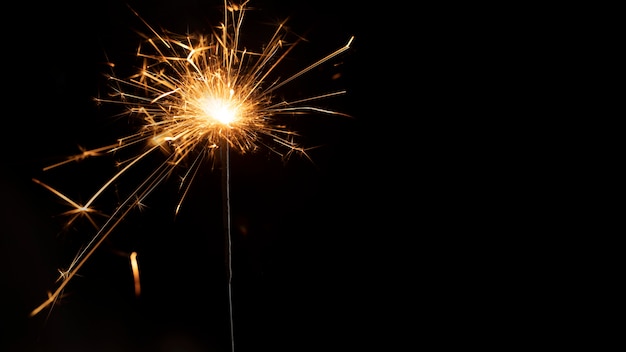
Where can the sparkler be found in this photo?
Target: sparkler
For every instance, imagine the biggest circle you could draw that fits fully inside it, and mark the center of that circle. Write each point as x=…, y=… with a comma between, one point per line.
x=194, y=95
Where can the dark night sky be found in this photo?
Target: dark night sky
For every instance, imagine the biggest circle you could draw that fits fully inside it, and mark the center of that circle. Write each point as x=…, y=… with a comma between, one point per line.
x=313, y=242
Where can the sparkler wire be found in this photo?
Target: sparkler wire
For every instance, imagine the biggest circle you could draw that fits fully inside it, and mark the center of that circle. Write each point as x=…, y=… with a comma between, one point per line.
x=225, y=160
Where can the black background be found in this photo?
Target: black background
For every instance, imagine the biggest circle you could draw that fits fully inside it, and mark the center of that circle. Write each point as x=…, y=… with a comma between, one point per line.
x=317, y=245
x=421, y=220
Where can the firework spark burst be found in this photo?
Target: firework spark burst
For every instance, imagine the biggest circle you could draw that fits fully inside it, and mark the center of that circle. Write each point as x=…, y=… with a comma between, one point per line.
x=192, y=95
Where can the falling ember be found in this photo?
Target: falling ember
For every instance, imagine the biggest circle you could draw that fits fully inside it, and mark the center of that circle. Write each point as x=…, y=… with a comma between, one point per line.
x=194, y=93
x=135, y=267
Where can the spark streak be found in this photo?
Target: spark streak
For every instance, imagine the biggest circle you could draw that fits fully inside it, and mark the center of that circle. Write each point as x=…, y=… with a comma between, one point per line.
x=135, y=267
x=194, y=94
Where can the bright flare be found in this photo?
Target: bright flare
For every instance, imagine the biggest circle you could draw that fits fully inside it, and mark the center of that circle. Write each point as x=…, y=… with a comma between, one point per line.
x=221, y=110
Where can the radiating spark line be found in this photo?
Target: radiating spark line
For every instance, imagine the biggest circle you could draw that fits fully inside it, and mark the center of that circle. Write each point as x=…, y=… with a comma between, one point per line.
x=84, y=155
x=179, y=96
x=79, y=210
x=104, y=231
x=313, y=65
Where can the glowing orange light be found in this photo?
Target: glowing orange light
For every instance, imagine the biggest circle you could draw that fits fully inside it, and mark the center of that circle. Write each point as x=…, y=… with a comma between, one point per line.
x=221, y=110
x=135, y=267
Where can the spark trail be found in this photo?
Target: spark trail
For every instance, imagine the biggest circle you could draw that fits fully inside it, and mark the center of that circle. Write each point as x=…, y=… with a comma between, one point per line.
x=194, y=94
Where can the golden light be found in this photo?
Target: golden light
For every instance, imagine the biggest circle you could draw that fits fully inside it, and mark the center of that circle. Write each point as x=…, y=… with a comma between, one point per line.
x=135, y=268
x=222, y=110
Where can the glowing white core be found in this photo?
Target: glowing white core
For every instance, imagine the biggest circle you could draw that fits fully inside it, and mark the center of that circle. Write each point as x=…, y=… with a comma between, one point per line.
x=219, y=109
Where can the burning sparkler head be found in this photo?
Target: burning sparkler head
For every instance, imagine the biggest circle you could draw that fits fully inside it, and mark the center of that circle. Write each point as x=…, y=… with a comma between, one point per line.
x=198, y=90
x=195, y=93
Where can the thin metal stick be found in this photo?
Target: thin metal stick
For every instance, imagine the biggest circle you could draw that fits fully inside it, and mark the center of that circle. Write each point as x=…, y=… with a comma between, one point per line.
x=225, y=156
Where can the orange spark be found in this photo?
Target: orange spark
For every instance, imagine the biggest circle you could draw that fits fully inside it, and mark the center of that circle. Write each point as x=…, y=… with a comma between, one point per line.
x=135, y=267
